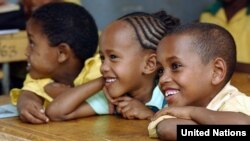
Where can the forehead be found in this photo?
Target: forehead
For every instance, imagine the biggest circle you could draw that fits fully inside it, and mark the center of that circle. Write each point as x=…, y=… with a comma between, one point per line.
x=181, y=42
x=34, y=26
x=118, y=34
x=176, y=45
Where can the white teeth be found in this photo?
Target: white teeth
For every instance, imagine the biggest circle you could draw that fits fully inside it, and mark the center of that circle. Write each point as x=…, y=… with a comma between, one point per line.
x=171, y=92
x=110, y=80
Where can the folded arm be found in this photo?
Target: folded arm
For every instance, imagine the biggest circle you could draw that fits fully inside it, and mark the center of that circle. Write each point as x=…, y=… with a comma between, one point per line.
x=72, y=104
x=166, y=129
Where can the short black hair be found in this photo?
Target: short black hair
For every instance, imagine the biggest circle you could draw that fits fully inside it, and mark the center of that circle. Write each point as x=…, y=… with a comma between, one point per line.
x=69, y=23
x=211, y=41
x=150, y=28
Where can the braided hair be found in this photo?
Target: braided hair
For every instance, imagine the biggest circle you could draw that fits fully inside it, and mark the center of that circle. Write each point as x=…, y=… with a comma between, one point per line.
x=150, y=28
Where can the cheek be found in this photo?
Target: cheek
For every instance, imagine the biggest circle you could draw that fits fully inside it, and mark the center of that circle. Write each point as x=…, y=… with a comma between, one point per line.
x=43, y=61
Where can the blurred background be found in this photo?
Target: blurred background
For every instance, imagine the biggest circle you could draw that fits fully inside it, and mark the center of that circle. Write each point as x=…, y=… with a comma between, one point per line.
x=105, y=11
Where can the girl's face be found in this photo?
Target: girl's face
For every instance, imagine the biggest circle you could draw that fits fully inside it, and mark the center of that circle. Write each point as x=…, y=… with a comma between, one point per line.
x=41, y=57
x=184, y=80
x=122, y=59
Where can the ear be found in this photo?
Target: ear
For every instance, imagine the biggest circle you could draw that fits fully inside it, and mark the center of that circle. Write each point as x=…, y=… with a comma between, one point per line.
x=63, y=52
x=150, y=65
x=219, y=71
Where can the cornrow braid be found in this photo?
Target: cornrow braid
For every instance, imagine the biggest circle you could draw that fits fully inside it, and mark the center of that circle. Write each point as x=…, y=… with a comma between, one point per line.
x=150, y=28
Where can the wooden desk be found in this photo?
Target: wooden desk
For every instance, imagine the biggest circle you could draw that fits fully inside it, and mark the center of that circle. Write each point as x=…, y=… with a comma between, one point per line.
x=97, y=128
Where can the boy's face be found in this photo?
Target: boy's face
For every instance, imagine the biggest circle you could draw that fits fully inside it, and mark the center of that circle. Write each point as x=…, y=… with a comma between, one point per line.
x=41, y=57
x=122, y=59
x=184, y=80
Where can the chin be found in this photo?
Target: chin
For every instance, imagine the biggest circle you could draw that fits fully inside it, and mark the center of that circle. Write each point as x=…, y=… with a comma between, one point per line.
x=115, y=94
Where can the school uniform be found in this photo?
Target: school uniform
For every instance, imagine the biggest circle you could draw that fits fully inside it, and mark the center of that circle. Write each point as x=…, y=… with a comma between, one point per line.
x=238, y=26
x=228, y=99
x=97, y=102
x=90, y=71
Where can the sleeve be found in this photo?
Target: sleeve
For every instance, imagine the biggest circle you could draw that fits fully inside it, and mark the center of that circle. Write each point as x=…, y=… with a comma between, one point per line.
x=32, y=85
x=153, y=124
x=90, y=71
x=99, y=103
x=239, y=103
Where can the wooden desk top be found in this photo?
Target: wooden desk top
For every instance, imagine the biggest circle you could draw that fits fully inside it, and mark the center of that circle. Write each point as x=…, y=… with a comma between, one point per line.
x=96, y=128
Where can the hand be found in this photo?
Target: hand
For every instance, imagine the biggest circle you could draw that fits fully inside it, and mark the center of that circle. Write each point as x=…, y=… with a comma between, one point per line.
x=131, y=108
x=178, y=112
x=30, y=109
x=54, y=89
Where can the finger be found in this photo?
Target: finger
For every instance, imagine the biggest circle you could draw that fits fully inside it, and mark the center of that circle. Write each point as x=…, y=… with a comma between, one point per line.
x=128, y=113
x=123, y=104
x=124, y=98
x=29, y=118
x=118, y=109
x=39, y=113
x=111, y=108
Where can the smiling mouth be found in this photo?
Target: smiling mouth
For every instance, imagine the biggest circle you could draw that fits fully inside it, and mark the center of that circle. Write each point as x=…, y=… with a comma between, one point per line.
x=108, y=81
x=169, y=93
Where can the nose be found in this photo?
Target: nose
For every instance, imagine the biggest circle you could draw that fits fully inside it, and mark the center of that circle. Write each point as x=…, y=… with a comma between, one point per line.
x=104, y=67
x=166, y=77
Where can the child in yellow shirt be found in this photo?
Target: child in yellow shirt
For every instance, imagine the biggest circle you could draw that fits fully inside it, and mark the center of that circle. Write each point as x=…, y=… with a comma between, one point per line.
x=61, y=46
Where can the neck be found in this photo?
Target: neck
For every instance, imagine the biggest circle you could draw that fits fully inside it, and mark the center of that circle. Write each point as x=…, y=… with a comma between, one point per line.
x=233, y=7
x=144, y=93
x=68, y=73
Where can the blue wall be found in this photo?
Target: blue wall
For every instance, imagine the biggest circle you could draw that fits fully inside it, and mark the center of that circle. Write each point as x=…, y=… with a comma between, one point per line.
x=105, y=11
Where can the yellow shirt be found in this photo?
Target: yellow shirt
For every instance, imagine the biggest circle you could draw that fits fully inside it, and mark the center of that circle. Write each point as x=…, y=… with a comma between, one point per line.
x=228, y=99
x=238, y=26
x=90, y=71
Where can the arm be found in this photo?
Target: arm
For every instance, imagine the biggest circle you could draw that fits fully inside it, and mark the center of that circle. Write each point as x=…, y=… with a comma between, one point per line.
x=54, y=89
x=166, y=129
x=71, y=104
x=131, y=108
x=207, y=116
x=30, y=108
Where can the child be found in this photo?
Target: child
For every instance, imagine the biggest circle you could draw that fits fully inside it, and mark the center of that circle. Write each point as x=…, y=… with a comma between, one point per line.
x=198, y=61
x=129, y=68
x=61, y=45
x=233, y=15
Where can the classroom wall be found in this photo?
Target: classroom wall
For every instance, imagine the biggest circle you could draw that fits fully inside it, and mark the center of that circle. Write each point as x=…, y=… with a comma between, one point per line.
x=105, y=11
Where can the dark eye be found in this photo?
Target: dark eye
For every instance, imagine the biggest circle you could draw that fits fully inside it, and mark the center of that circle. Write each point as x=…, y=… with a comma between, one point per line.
x=102, y=58
x=175, y=66
x=113, y=56
x=160, y=71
